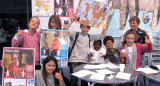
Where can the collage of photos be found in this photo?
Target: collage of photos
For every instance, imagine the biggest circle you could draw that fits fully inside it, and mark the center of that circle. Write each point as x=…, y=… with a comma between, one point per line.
x=55, y=43
x=65, y=9
x=19, y=66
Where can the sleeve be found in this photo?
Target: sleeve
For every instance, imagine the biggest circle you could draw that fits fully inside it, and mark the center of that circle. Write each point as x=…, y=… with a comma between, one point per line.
x=16, y=41
x=147, y=49
x=37, y=83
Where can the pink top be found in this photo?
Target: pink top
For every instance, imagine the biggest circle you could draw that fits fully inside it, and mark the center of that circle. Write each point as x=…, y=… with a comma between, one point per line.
x=140, y=49
x=27, y=40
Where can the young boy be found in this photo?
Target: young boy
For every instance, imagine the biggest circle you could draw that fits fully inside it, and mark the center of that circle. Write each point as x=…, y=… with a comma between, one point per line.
x=97, y=54
x=55, y=44
x=79, y=53
x=142, y=34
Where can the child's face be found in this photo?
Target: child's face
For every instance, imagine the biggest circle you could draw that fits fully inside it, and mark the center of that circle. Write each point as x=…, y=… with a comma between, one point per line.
x=97, y=46
x=50, y=67
x=130, y=39
x=34, y=23
x=16, y=59
x=109, y=44
x=53, y=24
x=85, y=29
x=134, y=25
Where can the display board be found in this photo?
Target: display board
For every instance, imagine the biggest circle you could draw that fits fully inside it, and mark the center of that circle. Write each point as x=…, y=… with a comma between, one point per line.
x=19, y=66
x=93, y=13
x=55, y=43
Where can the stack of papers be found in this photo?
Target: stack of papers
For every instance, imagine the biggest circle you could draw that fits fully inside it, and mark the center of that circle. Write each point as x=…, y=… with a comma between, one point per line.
x=122, y=75
x=147, y=70
x=97, y=76
x=104, y=71
x=82, y=73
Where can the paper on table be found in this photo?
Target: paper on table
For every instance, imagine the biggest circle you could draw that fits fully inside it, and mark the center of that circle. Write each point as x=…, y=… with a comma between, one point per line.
x=122, y=74
x=88, y=66
x=97, y=76
x=104, y=71
x=82, y=73
x=158, y=66
x=111, y=65
x=147, y=70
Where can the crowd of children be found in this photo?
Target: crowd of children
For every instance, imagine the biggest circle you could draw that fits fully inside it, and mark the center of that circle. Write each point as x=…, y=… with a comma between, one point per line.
x=82, y=53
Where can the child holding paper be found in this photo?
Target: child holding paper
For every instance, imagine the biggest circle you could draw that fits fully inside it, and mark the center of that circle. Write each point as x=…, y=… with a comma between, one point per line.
x=96, y=54
x=131, y=52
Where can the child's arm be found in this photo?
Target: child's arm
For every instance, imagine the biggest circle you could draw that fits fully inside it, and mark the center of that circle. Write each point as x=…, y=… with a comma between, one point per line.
x=148, y=48
x=17, y=40
x=73, y=18
x=104, y=30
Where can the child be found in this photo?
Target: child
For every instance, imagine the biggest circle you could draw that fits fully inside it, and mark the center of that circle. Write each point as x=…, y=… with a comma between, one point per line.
x=54, y=22
x=55, y=44
x=112, y=54
x=79, y=53
x=29, y=38
x=96, y=54
x=131, y=52
x=49, y=75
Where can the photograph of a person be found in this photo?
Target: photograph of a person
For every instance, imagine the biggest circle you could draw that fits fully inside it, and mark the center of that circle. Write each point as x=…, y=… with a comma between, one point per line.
x=62, y=7
x=54, y=43
x=16, y=69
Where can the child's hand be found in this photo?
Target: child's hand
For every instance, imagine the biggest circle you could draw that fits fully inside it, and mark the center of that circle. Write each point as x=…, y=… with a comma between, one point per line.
x=2, y=63
x=59, y=77
x=40, y=31
x=19, y=32
x=123, y=54
x=91, y=54
x=147, y=41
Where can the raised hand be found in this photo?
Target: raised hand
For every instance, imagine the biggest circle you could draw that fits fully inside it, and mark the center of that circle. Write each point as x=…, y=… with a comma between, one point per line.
x=59, y=77
x=19, y=32
x=147, y=41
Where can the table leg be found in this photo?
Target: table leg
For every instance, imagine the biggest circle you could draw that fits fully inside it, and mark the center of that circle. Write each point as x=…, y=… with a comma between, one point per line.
x=79, y=82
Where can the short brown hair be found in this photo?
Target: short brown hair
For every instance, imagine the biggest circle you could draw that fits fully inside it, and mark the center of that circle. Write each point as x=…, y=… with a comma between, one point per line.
x=135, y=18
x=57, y=20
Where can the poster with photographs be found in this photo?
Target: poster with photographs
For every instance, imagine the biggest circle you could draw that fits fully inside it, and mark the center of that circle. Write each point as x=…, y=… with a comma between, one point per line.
x=41, y=7
x=19, y=67
x=55, y=43
x=65, y=9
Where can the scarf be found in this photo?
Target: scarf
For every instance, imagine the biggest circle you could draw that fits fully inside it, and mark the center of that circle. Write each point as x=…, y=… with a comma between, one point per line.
x=131, y=57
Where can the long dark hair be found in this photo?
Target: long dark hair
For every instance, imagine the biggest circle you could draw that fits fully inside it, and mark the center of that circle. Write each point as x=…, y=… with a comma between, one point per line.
x=44, y=72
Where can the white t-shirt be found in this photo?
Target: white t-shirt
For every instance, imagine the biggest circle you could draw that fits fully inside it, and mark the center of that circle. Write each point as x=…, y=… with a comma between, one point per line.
x=97, y=55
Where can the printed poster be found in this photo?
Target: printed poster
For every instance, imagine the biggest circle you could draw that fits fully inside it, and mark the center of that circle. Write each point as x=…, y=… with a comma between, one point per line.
x=65, y=9
x=41, y=7
x=54, y=43
x=93, y=13
x=19, y=68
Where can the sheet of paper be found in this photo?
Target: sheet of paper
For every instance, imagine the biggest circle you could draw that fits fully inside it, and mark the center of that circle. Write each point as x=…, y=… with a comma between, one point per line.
x=104, y=71
x=147, y=70
x=97, y=76
x=111, y=65
x=121, y=75
x=158, y=66
x=82, y=73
